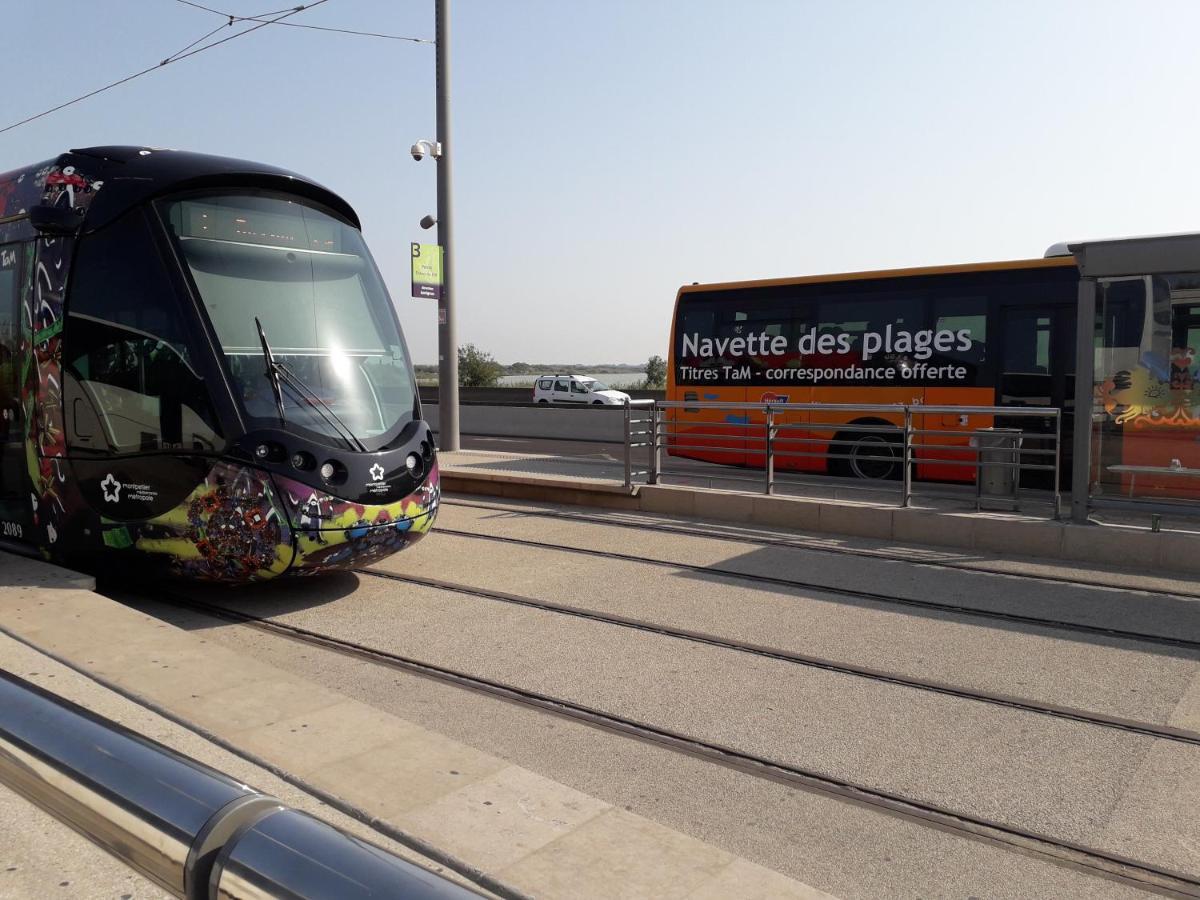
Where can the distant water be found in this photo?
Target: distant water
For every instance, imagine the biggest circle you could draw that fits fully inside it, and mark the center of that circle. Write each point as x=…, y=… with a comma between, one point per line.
x=612, y=379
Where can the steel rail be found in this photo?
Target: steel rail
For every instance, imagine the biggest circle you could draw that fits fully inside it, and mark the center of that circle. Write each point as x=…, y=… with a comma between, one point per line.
x=1093, y=861
x=1010, y=701
x=813, y=547
x=873, y=596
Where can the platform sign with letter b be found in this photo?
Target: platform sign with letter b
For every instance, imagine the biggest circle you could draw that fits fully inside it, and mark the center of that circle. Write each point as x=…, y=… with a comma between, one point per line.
x=427, y=271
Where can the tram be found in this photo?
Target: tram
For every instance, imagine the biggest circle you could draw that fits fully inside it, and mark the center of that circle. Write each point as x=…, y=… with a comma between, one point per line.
x=201, y=373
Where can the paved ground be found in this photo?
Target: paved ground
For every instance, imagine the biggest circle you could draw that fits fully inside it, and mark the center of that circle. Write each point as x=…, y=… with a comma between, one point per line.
x=41, y=857
x=1123, y=793
x=500, y=825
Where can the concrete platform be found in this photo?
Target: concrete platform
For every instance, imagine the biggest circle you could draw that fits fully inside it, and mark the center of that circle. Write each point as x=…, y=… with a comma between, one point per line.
x=558, y=480
x=501, y=824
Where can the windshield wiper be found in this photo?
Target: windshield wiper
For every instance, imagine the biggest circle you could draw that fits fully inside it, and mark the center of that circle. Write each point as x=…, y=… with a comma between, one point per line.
x=314, y=400
x=277, y=373
x=272, y=372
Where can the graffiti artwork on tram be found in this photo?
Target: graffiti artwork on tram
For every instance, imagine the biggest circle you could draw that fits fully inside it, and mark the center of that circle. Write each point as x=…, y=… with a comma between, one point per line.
x=20, y=190
x=228, y=529
x=53, y=494
x=235, y=527
x=335, y=533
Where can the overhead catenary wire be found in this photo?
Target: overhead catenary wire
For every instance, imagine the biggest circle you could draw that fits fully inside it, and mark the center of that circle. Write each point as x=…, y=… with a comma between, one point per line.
x=262, y=16
x=198, y=40
x=231, y=16
x=390, y=37
x=190, y=50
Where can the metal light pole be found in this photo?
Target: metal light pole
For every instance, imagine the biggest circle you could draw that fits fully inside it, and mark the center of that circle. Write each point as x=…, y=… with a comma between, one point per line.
x=447, y=337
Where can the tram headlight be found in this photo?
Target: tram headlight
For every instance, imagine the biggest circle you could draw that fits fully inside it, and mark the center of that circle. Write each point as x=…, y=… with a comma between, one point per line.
x=332, y=472
x=303, y=461
x=269, y=451
x=412, y=462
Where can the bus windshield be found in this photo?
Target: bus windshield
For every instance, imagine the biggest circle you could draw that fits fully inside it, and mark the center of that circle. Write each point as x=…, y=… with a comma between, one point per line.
x=308, y=278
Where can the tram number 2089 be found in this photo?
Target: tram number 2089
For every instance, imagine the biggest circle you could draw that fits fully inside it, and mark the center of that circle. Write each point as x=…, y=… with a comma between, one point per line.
x=11, y=529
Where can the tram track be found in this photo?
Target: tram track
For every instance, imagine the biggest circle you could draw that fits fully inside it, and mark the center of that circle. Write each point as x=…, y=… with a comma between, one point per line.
x=872, y=596
x=1094, y=861
x=1101, y=720
x=812, y=546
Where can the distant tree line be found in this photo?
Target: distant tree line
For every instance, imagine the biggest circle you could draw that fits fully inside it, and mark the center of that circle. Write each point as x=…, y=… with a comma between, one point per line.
x=478, y=368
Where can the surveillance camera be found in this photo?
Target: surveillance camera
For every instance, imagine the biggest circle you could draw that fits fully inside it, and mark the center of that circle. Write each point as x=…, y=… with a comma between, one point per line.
x=417, y=151
x=428, y=222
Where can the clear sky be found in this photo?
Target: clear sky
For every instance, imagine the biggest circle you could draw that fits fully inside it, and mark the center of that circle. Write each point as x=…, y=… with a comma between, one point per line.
x=608, y=151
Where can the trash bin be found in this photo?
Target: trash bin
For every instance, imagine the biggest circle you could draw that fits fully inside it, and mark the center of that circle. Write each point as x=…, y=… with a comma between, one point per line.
x=999, y=453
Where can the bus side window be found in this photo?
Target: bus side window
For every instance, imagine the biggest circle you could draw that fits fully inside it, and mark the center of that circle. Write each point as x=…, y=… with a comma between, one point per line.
x=853, y=315
x=966, y=319
x=698, y=320
x=773, y=320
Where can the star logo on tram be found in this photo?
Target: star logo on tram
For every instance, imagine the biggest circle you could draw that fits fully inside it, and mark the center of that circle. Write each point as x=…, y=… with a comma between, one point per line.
x=111, y=488
x=377, y=472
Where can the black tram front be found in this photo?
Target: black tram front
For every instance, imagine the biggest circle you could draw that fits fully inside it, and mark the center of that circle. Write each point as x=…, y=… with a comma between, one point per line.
x=215, y=379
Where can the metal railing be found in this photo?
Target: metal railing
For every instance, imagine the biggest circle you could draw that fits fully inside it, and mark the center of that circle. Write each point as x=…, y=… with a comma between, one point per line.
x=909, y=448
x=639, y=432
x=892, y=442
x=190, y=829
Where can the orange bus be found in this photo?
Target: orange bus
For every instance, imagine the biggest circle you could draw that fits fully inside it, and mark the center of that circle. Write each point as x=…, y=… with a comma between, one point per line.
x=992, y=334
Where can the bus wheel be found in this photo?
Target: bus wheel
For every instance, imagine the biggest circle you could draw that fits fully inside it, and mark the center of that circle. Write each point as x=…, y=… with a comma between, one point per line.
x=872, y=457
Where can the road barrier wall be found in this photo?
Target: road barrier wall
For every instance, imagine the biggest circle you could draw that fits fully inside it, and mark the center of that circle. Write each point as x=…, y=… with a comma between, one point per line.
x=557, y=423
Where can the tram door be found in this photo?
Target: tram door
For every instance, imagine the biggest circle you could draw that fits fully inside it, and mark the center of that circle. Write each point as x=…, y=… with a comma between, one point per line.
x=15, y=515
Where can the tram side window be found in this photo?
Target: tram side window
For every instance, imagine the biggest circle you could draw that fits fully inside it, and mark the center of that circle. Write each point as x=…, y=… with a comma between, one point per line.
x=130, y=382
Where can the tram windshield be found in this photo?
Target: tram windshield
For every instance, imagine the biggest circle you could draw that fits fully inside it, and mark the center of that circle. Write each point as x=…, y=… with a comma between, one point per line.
x=308, y=278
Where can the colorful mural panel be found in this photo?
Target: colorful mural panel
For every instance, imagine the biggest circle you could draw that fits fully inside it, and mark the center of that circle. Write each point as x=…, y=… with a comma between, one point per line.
x=1148, y=396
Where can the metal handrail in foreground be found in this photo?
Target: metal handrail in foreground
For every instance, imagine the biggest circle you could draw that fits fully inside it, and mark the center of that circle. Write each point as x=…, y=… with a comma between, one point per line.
x=190, y=829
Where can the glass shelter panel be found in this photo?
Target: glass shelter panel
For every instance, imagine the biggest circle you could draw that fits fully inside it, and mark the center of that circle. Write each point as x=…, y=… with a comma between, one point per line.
x=1146, y=419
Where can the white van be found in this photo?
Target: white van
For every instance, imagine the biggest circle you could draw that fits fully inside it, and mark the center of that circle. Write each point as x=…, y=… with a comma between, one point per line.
x=575, y=389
